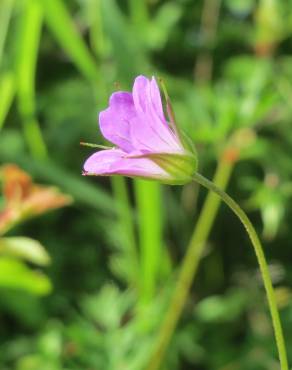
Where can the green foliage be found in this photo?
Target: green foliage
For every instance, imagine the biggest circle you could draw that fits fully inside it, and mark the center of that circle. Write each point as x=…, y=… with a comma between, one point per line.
x=62, y=26
x=24, y=248
x=15, y=274
x=222, y=308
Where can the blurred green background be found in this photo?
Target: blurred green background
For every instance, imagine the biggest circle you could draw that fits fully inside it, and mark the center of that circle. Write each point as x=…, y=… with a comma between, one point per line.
x=115, y=252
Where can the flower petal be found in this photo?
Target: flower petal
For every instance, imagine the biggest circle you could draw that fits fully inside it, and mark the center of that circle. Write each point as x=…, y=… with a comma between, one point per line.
x=140, y=94
x=100, y=162
x=156, y=99
x=136, y=121
x=144, y=137
x=146, y=96
x=154, y=132
x=114, y=122
x=115, y=162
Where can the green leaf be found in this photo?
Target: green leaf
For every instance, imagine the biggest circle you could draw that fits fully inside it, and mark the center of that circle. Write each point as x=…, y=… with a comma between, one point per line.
x=108, y=307
x=28, y=249
x=223, y=308
x=17, y=275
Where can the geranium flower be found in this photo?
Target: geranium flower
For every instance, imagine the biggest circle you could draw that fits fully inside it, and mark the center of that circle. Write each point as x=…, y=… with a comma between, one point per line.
x=146, y=144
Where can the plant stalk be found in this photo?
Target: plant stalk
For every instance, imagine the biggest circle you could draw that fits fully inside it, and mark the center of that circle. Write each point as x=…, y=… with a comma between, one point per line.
x=190, y=263
x=150, y=225
x=125, y=219
x=261, y=261
x=189, y=267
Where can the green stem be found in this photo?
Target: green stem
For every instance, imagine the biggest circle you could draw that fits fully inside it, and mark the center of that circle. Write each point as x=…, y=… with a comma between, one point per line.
x=262, y=263
x=190, y=264
x=191, y=260
x=208, y=29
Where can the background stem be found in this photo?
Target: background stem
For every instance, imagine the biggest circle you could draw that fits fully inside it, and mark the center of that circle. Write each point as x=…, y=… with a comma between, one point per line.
x=190, y=264
x=125, y=217
x=148, y=198
x=208, y=29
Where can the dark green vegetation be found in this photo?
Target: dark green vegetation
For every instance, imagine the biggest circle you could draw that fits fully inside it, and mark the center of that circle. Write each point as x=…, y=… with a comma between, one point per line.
x=116, y=251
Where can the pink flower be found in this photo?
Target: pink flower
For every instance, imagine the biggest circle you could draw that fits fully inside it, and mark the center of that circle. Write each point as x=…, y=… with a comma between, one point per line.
x=147, y=146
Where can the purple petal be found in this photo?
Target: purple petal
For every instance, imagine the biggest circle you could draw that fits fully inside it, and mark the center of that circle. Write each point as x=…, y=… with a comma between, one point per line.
x=140, y=94
x=145, y=137
x=146, y=96
x=136, y=121
x=114, y=162
x=156, y=98
x=100, y=162
x=154, y=132
x=114, y=122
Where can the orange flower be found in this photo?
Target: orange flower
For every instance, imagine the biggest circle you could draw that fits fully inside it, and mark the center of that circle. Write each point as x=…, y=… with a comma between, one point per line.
x=24, y=199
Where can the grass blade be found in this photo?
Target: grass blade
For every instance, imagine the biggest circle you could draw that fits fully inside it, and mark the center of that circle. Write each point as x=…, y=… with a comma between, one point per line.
x=62, y=26
x=7, y=92
x=29, y=38
x=6, y=7
x=96, y=34
x=125, y=48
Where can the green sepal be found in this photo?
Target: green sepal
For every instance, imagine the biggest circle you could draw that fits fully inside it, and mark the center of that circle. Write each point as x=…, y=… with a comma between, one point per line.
x=180, y=167
x=179, y=133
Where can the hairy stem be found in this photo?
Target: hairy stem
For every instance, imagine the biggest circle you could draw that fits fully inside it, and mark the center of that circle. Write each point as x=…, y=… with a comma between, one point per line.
x=189, y=267
x=261, y=261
